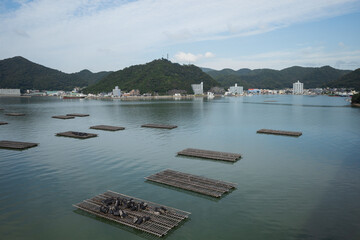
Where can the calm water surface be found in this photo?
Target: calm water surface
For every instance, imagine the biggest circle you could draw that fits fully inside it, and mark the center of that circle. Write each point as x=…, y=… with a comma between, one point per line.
x=288, y=188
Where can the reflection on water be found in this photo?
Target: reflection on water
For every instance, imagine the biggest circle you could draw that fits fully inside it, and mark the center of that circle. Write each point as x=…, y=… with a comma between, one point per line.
x=288, y=188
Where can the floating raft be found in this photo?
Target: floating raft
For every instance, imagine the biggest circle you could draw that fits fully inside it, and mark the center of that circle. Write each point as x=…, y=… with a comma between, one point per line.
x=3, y=123
x=278, y=132
x=15, y=114
x=223, y=156
x=207, y=186
x=159, y=126
x=159, y=224
x=17, y=145
x=80, y=135
x=63, y=117
x=107, y=128
x=77, y=115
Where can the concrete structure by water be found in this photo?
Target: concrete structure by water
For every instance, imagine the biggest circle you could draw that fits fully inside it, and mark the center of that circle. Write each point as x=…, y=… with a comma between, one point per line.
x=236, y=90
x=198, y=88
x=9, y=92
x=116, y=92
x=298, y=88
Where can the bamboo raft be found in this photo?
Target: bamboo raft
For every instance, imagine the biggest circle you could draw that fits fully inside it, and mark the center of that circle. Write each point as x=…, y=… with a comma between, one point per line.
x=194, y=183
x=159, y=126
x=223, y=156
x=17, y=145
x=3, y=123
x=77, y=115
x=159, y=224
x=15, y=114
x=63, y=117
x=279, y=132
x=73, y=134
x=107, y=128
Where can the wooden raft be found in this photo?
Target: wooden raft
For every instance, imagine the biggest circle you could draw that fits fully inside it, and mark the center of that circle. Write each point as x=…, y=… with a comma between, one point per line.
x=207, y=186
x=17, y=145
x=223, y=156
x=73, y=134
x=158, y=225
x=15, y=114
x=107, y=128
x=159, y=126
x=3, y=123
x=77, y=115
x=279, y=132
x=63, y=117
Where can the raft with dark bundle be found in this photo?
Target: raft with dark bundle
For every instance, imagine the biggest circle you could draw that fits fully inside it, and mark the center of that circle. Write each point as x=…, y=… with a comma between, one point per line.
x=280, y=132
x=73, y=134
x=77, y=115
x=143, y=215
x=214, y=155
x=107, y=128
x=17, y=145
x=15, y=114
x=194, y=183
x=63, y=117
x=164, y=126
x=3, y=123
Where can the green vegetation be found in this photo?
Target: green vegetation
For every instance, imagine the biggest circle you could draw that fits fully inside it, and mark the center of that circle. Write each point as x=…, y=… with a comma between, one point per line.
x=275, y=79
x=18, y=72
x=355, y=99
x=350, y=80
x=158, y=76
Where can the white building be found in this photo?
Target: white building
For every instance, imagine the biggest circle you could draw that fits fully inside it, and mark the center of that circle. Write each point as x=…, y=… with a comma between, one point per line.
x=116, y=92
x=198, y=88
x=235, y=90
x=298, y=88
x=9, y=92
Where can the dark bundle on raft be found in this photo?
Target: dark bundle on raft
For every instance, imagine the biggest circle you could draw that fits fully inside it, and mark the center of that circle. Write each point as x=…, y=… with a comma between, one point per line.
x=73, y=134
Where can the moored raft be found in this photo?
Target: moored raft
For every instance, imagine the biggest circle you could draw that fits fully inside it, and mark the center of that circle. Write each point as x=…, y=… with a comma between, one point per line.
x=164, y=126
x=3, y=123
x=15, y=114
x=77, y=115
x=194, y=183
x=63, y=117
x=280, y=132
x=107, y=128
x=73, y=134
x=140, y=214
x=17, y=145
x=214, y=155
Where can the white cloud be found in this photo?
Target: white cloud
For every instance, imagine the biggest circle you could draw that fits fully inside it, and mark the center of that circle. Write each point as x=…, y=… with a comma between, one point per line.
x=191, y=58
x=72, y=34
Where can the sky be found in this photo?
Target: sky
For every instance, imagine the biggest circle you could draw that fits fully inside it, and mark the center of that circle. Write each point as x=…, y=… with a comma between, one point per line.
x=109, y=35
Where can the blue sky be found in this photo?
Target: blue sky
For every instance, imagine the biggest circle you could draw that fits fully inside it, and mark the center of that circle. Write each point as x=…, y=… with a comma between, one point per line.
x=71, y=35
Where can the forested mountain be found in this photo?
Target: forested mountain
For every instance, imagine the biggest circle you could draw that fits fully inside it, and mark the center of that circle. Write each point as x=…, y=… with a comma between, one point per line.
x=18, y=72
x=157, y=76
x=276, y=79
x=350, y=80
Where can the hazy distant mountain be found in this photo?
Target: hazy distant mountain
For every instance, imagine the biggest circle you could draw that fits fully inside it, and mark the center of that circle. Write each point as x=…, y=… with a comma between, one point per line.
x=157, y=76
x=18, y=72
x=275, y=79
x=350, y=80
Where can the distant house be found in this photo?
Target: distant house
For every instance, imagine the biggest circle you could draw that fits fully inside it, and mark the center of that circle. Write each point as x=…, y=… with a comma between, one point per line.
x=116, y=92
x=9, y=92
x=198, y=88
x=298, y=88
x=235, y=90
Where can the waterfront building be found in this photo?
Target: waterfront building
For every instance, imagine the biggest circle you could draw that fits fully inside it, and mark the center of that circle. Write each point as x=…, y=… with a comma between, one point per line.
x=9, y=92
x=298, y=88
x=198, y=88
x=236, y=90
x=116, y=92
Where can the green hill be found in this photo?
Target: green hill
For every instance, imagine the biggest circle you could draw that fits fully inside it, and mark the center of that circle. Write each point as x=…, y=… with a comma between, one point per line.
x=350, y=80
x=275, y=79
x=18, y=72
x=157, y=76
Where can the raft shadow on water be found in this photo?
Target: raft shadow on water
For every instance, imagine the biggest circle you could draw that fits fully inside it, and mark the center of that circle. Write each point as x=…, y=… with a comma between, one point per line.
x=191, y=192
x=129, y=229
